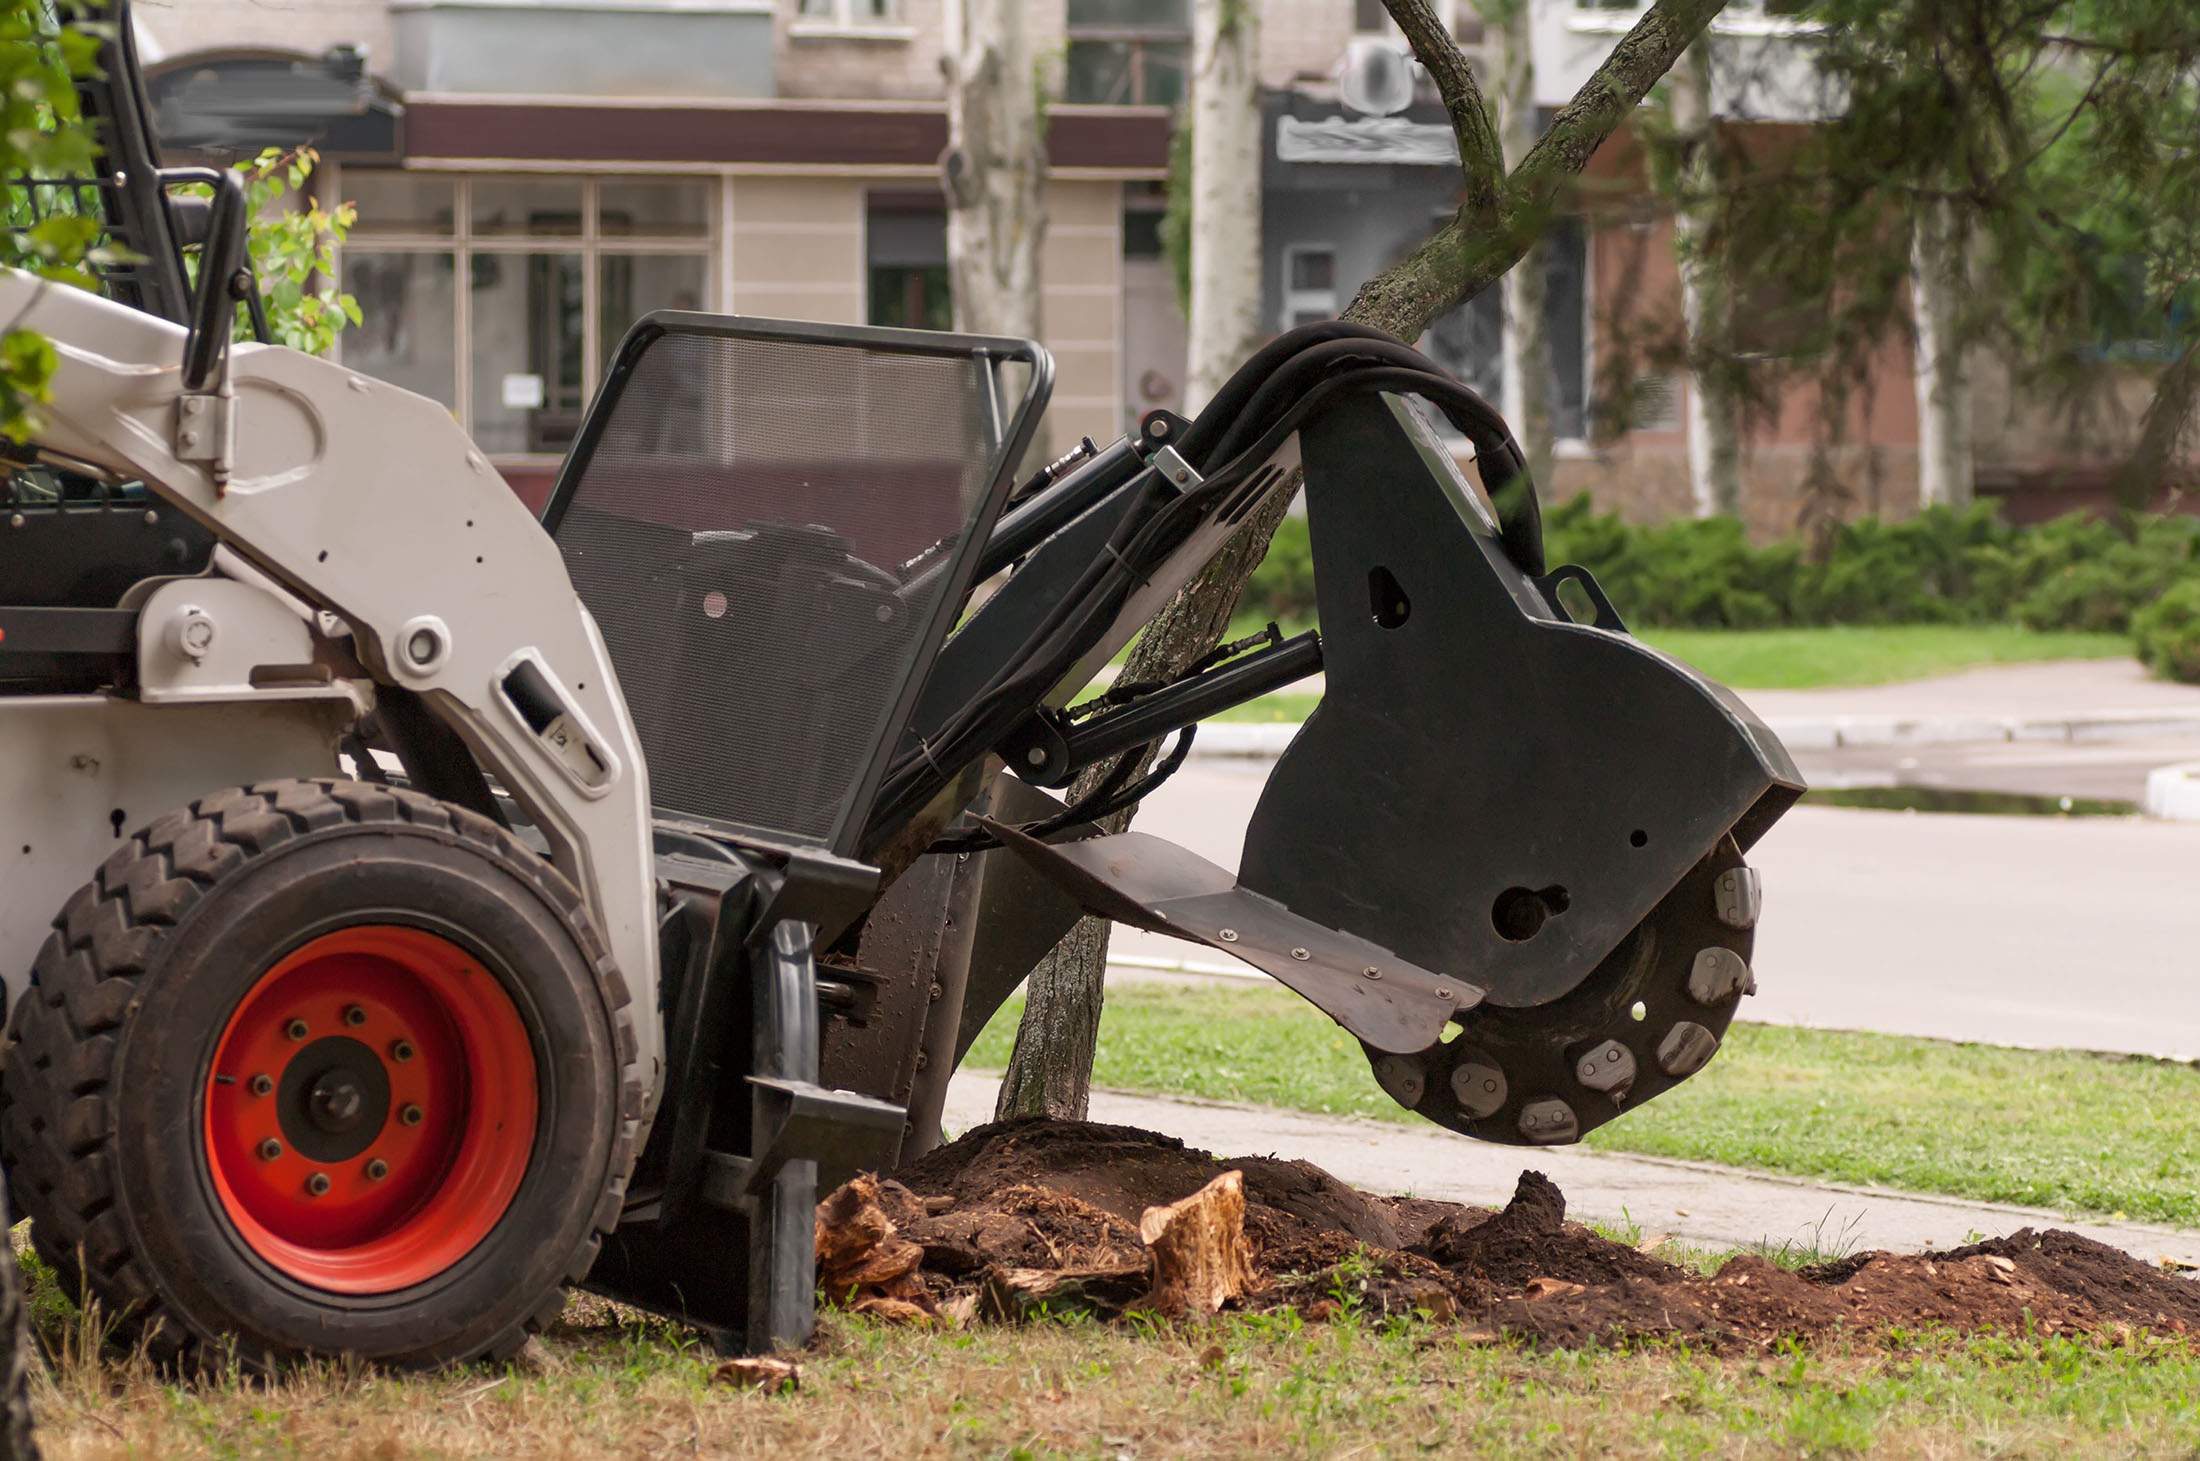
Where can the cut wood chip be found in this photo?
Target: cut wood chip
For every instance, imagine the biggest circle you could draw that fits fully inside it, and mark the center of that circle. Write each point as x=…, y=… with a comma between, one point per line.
x=1019, y=1293
x=862, y=1261
x=1201, y=1260
x=1540, y=1289
x=759, y=1372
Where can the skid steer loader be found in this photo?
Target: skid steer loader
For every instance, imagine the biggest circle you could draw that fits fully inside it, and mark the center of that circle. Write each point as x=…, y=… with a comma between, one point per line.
x=413, y=908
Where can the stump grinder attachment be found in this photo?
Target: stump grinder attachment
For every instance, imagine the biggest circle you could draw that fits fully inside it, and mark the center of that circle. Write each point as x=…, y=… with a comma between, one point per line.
x=422, y=906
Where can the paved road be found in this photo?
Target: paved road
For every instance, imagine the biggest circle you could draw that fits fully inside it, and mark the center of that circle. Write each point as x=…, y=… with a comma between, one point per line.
x=1714, y=1207
x=2011, y=930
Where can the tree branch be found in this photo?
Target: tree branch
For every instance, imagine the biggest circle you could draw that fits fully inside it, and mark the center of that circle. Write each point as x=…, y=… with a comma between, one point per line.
x=1466, y=255
x=1480, y=154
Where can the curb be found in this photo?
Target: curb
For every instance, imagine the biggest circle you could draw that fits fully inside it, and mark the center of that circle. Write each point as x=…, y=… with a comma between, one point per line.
x=1236, y=740
x=2173, y=792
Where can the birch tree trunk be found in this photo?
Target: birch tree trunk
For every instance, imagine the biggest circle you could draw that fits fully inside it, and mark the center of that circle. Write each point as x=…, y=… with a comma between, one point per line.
x=1503, y=213
x=1527, y=340
x=1937, y=282
x=1714, y=432
x=994, y=171
x=1226, y=250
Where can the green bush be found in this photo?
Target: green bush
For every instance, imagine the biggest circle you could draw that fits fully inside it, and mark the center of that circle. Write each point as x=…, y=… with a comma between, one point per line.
x=2168, y=633
x=1942, y=566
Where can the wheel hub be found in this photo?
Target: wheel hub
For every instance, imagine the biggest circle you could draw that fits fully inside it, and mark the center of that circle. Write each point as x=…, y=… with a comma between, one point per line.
x=371, y=1109
x=333, y=1099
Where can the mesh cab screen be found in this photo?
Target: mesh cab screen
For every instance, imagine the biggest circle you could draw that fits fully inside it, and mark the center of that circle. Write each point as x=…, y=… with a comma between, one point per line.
x=763, y=528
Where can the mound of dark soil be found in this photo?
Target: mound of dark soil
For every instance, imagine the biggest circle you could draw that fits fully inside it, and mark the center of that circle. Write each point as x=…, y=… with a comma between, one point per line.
x=1066, y=1197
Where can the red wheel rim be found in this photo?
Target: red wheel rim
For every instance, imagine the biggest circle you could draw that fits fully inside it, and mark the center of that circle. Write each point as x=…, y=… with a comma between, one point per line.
x=371, y=1109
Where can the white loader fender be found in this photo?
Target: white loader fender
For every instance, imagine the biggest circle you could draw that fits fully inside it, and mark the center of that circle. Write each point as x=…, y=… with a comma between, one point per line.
x=368, y=501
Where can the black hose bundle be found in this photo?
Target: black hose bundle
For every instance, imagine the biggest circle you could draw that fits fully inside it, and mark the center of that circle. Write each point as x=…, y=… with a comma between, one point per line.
x=1270, y=396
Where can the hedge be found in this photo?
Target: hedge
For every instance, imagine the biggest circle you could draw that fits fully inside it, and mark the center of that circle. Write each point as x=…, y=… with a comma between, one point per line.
x=1943, y=566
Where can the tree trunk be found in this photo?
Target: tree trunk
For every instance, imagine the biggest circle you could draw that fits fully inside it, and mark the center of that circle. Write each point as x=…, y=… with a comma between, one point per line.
x=1226, y=259
x=1714, y=436
x=1937, y=284
x=1050, y=1072
x=1527, y=340
x=994, y=172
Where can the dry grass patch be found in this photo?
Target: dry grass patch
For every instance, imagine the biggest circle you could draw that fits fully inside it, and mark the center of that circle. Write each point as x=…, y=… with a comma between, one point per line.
x=609, y=1384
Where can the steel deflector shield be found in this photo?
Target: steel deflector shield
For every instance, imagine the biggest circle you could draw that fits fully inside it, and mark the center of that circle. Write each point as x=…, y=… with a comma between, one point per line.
x=1474, y=748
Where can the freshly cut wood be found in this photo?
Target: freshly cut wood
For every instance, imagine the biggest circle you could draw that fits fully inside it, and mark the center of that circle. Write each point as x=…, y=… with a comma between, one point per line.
x=1020, y=1293
x=862, y=1260
x=759, y=1372
x=1201, y=1260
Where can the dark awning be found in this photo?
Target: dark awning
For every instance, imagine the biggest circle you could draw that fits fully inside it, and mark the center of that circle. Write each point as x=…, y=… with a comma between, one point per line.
x=233, y=104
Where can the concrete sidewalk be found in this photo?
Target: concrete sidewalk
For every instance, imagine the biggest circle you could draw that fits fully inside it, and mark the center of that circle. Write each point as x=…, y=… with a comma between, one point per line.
x=2068, y=700
x=1694, y=1202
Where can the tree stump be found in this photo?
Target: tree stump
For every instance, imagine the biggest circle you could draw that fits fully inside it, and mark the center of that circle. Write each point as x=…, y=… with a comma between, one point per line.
x=1200, y=1257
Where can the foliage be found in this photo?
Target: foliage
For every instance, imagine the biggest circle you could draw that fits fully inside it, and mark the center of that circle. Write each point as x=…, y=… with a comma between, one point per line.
x=294, y=252
x=1943, y=566
x=53, y=231
x=2056, y=138
x=2168, y=633
x=1176, y=219
x=1283, y=586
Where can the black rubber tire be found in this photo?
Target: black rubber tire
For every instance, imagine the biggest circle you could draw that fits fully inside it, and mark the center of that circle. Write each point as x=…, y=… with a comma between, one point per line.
x=16, y=1358
x=100, y=1097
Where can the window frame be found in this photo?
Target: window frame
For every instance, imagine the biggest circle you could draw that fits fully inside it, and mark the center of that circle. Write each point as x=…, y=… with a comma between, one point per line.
x=591, y=244
x=841, y=23
x=1139, y=38
x=1295, y=302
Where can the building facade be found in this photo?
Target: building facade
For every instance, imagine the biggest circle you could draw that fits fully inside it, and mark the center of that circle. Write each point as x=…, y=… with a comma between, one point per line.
x=533, y=175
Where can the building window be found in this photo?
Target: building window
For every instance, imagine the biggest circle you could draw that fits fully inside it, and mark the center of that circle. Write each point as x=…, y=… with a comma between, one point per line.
x=1469, y=341
x=504, y=297
x=1309, y=284
x=855, y=17
x=1128, y=52
x=905, y=260
x=1372, y=18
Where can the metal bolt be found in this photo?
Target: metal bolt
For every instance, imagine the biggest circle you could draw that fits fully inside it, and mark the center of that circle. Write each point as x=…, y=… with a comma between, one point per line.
x=152, y=518
x=317, y=1185
x=270, y=1149
x=1229, y=935
x=1442, y=992
x=411, y=1115
x=1037, y=756
x=1301, y=955
x=296, y=1029
x=16, y=520
x=1372, y=972
x=377, y=1169
x=260, y=1085
x=1159, y=426
x=401, y=1051
x=353, y=1015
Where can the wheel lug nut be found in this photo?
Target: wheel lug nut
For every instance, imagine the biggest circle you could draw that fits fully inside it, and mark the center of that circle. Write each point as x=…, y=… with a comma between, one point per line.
x=296, y=1029
x=411, y=1115
x=353, y=1015
x=318, y=1184
x=259, y=1085
x=401, y=1051
x=270, y=1149
x=377, y=1169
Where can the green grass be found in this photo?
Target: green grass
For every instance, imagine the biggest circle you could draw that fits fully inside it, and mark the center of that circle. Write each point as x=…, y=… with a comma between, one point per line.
x=1811, y=659
x=1269, y=1385
x=2056, y=1129
x=1804, y=659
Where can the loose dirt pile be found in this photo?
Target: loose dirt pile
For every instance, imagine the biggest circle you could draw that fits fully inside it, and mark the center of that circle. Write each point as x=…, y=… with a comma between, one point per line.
x=1031, y=1215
